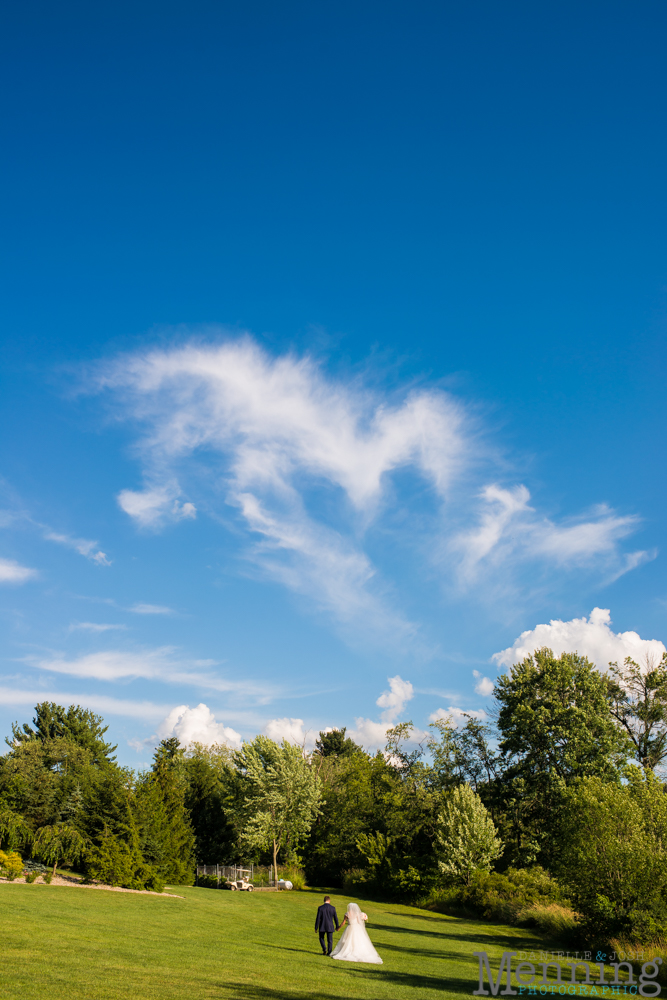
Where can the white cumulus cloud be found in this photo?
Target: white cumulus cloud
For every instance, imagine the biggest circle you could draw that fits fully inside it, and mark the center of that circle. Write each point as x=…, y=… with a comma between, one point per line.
x=197, y=725
x=484, y=685
x=369, y=734
x=13, y=572
x=457, y=715
x=395, y=699
x=373, y=734
x=290, y=730
x=591, y=637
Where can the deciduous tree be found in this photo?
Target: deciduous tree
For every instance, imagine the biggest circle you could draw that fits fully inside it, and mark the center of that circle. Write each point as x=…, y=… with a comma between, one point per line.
x=59, y=843
x=466, y=838
x=639, y=705
x=283, y=794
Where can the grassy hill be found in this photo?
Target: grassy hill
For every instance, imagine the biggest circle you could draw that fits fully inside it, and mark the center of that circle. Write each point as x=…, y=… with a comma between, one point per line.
x=63, y=943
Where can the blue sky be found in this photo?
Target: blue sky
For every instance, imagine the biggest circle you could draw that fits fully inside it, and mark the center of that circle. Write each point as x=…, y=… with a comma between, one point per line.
x=333, y=344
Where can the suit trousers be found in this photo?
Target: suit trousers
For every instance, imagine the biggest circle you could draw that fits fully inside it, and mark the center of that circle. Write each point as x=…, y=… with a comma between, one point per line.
x=329, y=934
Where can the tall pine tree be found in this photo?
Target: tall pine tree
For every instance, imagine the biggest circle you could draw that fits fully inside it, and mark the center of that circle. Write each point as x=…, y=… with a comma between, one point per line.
x=166, y=836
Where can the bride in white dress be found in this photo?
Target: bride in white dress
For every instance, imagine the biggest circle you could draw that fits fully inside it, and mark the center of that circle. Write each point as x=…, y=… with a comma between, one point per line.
x=355, y=944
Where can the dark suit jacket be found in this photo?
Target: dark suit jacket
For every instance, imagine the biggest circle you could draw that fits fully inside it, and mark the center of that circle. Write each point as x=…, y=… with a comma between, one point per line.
x=326, y=917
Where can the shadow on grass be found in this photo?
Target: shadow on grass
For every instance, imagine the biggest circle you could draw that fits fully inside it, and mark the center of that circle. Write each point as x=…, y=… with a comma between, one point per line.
x=246, y=991
x=249, y=991
x=450, y=984
x=299, y=951
x=499, y=939
x=445, y=953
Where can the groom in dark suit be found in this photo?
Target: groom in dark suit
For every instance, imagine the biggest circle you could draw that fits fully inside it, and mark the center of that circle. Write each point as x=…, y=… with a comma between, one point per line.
x=324, y=923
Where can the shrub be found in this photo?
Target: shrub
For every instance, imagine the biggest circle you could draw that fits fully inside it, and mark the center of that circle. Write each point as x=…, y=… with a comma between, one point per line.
x=154, y=882
x=114, y=863
x=294, y=875
x=11, y=865
x=520, y=896
x=552, y=919
x=354, y=878
x=627, y=951
x=207, y=882
x=614, y=858
x=31, y=877
x=47, y=876
x=30, y=865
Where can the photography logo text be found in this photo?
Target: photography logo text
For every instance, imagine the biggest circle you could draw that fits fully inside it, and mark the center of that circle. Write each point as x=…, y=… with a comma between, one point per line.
x=586, y=978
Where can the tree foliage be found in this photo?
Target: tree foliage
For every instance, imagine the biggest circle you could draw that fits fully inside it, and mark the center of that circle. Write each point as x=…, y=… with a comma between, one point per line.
x=166, y=837
x=613, y=855
x=55, y=844
x=466, y=839
x=11, y=865
x=212, y=799
x=555, y=724
x=77, y=725
x=14, y=831
x=549, y=781
x=334, y=743
x=639, y=704
x=282, y=796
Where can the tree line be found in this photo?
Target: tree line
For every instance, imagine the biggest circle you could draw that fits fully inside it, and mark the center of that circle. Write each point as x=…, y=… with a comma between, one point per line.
x=556, y=797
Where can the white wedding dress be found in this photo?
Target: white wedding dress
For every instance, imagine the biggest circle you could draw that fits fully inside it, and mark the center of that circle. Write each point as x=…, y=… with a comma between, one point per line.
x=355, y=944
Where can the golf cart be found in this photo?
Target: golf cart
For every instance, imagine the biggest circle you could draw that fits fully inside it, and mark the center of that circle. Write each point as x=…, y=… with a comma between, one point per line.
x=241, y=884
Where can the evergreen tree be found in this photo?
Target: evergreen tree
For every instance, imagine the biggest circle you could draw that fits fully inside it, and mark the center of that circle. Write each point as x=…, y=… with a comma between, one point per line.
x=79, y=725
x=212, y=796
x=334, y=743
x=166, y=837
x=107, y=808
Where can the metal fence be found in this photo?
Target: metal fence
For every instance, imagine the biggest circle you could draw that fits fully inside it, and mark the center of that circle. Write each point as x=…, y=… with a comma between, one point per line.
x=225, y=873
x=259, y=875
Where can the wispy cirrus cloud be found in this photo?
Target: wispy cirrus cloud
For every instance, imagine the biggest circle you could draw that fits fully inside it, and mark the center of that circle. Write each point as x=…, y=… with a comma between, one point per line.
x=84, y=546
x=94, y=627
x=280, y=428
x=509, y=530
x=310, y=464
x=17, y=515
x=158, y=665
x=151, y=609
x=140, y=608
x=136, y=709
x=13, y=572
x=148, y=507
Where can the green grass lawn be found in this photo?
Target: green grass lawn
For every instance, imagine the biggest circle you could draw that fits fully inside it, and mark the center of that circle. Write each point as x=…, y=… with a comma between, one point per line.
x=86, y=944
